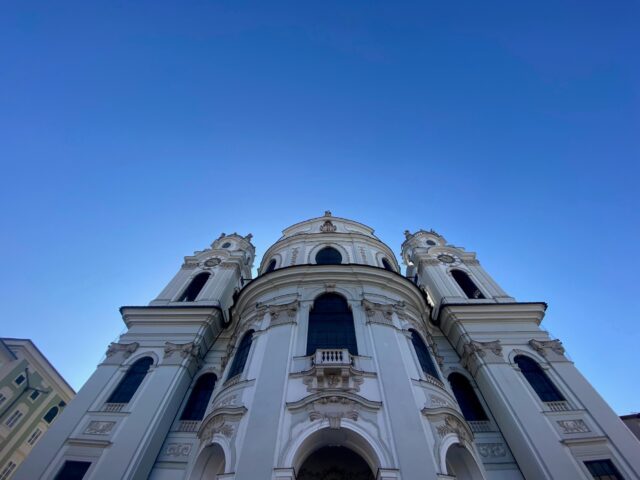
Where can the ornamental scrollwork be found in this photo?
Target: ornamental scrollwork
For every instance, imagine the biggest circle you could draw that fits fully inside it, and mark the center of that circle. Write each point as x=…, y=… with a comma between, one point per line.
x=185, y=349
x=541, y=346
x=126, y=348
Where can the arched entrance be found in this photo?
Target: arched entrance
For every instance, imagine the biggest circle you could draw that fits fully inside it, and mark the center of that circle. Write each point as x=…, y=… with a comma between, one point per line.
x=210, y=463
x=334, y=463
x=461, y=464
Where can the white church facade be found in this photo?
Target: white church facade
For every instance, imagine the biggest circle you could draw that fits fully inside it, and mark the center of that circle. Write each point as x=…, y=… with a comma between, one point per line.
x=332, y=365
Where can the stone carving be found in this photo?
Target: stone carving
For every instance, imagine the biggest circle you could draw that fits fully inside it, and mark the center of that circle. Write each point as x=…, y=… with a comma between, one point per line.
x=455, y=426
x=230, y=266
x=126, y=348
x=330, y=287
x=212, y=262
x=219, y=426
x=327, y=213
x=363, y=254
x=573, y=426
x=541, y=346
x=280, y=313
x=99, y=428
x=334, y=409
x=294, y=255
x=226, y=401
x=178, y=449
x=438, y=402
x=492, y=450
x=386, y=309
x=221, y=421
x=475, y=349
x=328, y=227
x=333, y=377
x=185, y=349
x=189, y=264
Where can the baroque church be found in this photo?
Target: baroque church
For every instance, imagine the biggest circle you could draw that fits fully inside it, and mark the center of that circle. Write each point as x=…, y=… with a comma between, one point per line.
x=333, y=365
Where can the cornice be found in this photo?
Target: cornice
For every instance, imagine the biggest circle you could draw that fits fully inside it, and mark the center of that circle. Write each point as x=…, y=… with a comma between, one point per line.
x=512, y=312
x=168, y=314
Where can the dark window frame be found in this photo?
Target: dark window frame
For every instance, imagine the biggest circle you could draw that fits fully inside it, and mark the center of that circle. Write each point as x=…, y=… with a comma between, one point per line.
x=199, y=397
x=131, y=381
x=603, y=469
x=386, y=264
x=537, y=378
x=241, y=355
x=73, y=470
x=271, y=266
x=472, y=408
x=195, y=287
x=328, y=256
x=467, y=285
x=425, y=359
x=331, y=325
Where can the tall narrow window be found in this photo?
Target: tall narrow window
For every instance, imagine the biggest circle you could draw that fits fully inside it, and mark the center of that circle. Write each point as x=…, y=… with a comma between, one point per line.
x=538, y=380
x=240, y=359
x=8, y=470
x=466, y=284
x=328, y=256
x=191, y=292
x=603, y=470
x=331, y=325
x=51, y=414
x=271, y=267
x=72, y=470
x=466, y=397
x=199, y=398
x=387, y=265
x=424, y=357
x=131, y=381
x=13, y=418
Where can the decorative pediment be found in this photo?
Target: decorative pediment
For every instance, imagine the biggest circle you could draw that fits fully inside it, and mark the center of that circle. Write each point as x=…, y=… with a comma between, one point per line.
x=223, y=421
x=184, y=349
x=334, y=407
x=445, y=421
x=328, y=227
x=126, y=348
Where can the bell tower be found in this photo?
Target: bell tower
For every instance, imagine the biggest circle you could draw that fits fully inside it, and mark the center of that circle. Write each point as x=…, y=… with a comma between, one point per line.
x=448, y=274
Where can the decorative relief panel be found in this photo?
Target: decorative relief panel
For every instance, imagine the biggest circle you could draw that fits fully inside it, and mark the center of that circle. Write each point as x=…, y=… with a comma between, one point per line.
x=489, y=450
x=184, y=349
x=334, y=407
x=279, y=314
x=573, y=426
x=178, y=450
x=222, y=421
x=99, y=428
x=328, y=227
x=543, y=346
x=454, y=425
x=126, y=348
x=474, y=352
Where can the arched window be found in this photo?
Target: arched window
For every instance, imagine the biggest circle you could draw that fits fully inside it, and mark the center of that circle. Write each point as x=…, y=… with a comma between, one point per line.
x=240, y=358
x=271, y=267
x=466, y=397
x=331, y=325
x=199, y=398
x=424, y=357
x=538, y=380
x=131, y=381
x=51, y=414
x=387, y=265
x=328, y=256
x=191, y=292
x=466, y=284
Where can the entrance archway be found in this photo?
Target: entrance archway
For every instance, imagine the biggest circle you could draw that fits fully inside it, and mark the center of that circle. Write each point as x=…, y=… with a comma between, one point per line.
x=210, y=463
x=461, y=464
x=334, y=463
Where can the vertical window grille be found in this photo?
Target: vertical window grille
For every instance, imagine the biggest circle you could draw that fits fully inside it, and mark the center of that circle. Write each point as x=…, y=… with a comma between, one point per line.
x=8, y=470
x=72, y=470
x=35, y=435
x=466, y=284
x=603, y=470
x=466, y=396
x=544, y=388
x=240, y=358
x=328, y=256
x=193, y=290
x=131, y=381
x=13, y=419
x=199, y=398
x=424, y=357
x=331, y=325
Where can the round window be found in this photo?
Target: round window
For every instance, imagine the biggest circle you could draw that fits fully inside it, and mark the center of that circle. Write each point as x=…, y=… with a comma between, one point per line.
x=226, y=245
x=431, y=242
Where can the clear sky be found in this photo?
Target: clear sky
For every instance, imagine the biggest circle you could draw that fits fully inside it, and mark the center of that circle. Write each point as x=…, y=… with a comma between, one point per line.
x=133, y=133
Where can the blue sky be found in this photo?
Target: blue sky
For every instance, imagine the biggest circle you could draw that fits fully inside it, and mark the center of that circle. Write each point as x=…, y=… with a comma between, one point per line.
x=133, y=133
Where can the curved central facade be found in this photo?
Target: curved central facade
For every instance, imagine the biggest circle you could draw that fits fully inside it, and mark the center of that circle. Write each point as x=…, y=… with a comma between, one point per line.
x=332, y=365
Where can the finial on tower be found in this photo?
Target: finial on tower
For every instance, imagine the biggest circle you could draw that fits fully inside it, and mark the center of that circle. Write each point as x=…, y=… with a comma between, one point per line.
x=407, y=234
x=327, y=213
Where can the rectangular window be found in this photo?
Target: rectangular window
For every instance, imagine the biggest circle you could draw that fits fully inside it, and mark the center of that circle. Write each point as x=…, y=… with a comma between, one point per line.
x=603, y=470
x=35, y=435
x=2, y=398
x=19, y=379
x=7, y=470
x=72, y=470
x=13, y=419
x=35, y=394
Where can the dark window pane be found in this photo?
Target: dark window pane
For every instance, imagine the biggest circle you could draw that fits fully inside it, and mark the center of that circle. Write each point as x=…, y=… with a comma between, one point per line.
x=271, y=267
x=331, y=325
x=72, y=470
x=19, y=379
x=131, y=381
x=387, y=265
x=191, y=292
x=603, y=470
x=51, y=414
x=240, y=358
x=538, y=380
x=466, y=284
x=199, y=398
x=328, y=256
x=423, y=355
x=466, y=397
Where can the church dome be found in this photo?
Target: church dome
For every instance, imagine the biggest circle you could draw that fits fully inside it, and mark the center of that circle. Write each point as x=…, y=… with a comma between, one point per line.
x=328, y=239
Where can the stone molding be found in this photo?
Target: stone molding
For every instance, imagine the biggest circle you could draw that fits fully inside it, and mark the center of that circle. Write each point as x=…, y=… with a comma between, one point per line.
x=543, y=346
x=475, y=352
x=178, y=450
x=185, y=349
x=338, y=378
x=223, y=421
x=492, y=450
x=99, y=428
x=127, y=349
x=328, y=227
x=280, y=314
x=334, y=407
x=573, y=426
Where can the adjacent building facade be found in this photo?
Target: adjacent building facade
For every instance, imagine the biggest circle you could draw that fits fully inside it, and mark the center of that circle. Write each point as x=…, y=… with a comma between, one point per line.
x=332, y=365
x=32, y=396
